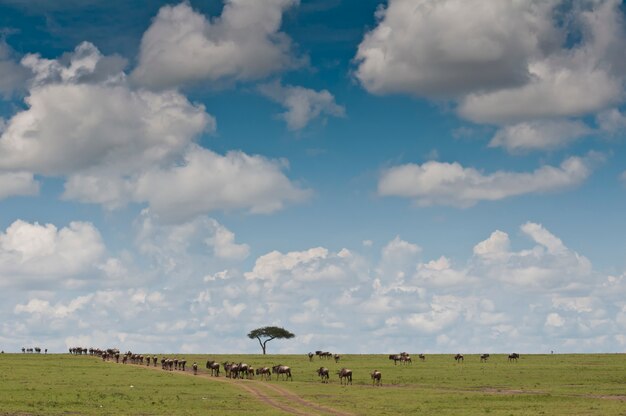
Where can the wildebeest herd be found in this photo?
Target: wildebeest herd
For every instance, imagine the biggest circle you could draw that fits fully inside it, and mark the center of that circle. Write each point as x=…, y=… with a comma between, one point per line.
x=36, y=350
x=242, y=370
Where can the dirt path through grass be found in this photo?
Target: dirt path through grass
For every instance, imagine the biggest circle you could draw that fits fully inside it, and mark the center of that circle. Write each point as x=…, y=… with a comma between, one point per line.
x=280, y=398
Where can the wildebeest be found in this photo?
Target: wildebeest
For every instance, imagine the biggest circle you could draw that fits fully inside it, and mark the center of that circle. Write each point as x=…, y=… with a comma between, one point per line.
x=422, y=357
x=345, y=373
x=195, y=368
x=231, y=370
x=154, y=360
x=282, y=369
x=324, y=374
x=336, y=357
x=459, y=358
x=483, y=357
x=310, y=355
x=513, y=357
x=182, y=364
x=242, y=370
x=214, y=367
x=264, y=372
x=376, y=377
x=395, y=358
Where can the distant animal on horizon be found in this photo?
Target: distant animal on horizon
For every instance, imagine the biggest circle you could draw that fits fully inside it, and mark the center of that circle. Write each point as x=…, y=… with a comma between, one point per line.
x=459, y=358
x=195, y=369
x=513, y=357
x=483, y=357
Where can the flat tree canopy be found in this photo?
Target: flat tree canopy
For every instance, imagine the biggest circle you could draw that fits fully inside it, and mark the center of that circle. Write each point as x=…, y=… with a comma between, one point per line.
x=268, y=333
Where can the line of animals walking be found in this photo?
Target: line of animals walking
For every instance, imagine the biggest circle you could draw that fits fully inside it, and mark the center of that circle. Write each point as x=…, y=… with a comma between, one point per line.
x=242, y=370
x=35, y=350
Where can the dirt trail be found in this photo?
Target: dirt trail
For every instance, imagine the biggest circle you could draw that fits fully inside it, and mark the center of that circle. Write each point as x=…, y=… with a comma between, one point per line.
x=280, y=398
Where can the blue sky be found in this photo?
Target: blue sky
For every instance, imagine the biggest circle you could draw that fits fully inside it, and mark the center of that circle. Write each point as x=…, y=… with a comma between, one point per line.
x=429, y=176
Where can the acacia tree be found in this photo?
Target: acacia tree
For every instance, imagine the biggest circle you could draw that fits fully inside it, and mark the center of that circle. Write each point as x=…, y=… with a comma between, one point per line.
x=268, y=333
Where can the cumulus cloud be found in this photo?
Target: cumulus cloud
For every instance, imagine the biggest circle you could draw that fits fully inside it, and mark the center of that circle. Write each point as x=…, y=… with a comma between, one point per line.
x=435, y=48
x=12, y=76
x=17, y=183
x=539, y=135
x=115, y=144
x=244, y=43
x=189, y=249
x=549, y=264
x=302, y=104
x=523, y=72
x=611, y=121
x=44, y=253
x=535, y=298
x=439, y=183
x=207, y=181
x=313, y=265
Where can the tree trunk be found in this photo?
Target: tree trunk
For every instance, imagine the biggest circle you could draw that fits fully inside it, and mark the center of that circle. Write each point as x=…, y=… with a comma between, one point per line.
x=262, y=344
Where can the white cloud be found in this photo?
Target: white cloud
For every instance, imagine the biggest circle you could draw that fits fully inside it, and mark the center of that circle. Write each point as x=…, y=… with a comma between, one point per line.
x=45, y=253
x=189, y=248
x=504, y=63
x=84, y=65
x=324, y=296
x=438, y=183
x=302, y=104
x=554, y=320
x=439, y=273
x=612, y=121
x=451, y=47
x=115, y=145
x=207, y=181
x=397, y=260
x=12, y=76
x=101, y=125
x=495, y=247
x=539, y=135
x=585, y=78
x=244, y=43
x=313, y=265
x=550, y=264
x=17, y=183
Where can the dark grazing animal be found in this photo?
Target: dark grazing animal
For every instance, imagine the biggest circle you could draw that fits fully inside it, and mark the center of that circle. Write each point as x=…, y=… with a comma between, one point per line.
x=324, y=374
x=214, y=367
x=376, y=378
x=483, y=357
x=513, y=357
x=345, y=373
x=282, y=369
x=422, y=357
x=264, y=372
x=195, y=368
x=459, y=358
x=311, y=355
x=395, y=358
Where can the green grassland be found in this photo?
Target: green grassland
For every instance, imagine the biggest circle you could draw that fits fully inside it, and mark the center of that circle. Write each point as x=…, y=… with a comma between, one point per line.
x=590, y=384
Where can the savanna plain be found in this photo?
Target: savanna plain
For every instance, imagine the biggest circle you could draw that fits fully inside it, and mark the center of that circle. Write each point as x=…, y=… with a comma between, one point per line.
x=555, y=384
